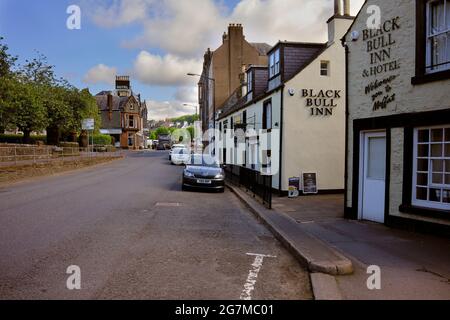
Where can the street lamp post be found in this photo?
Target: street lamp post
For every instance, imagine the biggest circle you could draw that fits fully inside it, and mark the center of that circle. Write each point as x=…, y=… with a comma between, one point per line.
x=196, y=106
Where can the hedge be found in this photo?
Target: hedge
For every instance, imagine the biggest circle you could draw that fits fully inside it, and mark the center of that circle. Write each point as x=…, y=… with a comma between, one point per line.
x=102, y=139
x=18, y=138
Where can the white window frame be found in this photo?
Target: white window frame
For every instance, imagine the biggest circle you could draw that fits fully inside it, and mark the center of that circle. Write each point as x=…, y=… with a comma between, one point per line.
x=431, y=35
x=249, y=81
x=422, y=203
x=326, y=69
x=274, y=63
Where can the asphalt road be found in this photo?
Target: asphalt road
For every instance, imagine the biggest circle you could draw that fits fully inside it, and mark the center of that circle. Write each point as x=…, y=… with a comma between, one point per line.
x=135, y=235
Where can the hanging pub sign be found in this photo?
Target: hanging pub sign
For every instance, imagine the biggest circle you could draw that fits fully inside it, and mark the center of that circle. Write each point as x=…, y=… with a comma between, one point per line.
x=310, y=183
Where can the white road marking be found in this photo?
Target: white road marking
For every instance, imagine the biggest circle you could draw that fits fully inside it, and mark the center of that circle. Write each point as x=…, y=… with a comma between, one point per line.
x=249, y=286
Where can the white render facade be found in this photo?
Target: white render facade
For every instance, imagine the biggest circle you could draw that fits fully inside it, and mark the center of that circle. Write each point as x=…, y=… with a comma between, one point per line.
x=307, y=114
x=398, y=137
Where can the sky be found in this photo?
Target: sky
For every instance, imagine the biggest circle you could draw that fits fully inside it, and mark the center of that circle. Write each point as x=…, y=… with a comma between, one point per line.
x=156, y=42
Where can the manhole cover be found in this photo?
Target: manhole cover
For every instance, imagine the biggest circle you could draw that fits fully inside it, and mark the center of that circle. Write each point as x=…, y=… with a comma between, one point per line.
x=168, y=204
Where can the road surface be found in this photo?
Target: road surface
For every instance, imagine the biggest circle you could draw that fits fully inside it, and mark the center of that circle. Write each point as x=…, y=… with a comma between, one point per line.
x=135, y=235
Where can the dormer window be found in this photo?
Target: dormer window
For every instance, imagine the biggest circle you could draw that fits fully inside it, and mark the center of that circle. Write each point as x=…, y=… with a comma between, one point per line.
x=249, y=81
x=274, y=63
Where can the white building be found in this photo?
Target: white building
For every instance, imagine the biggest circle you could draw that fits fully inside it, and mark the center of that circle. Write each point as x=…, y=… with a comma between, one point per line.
x=398, y=142
x=299, y=100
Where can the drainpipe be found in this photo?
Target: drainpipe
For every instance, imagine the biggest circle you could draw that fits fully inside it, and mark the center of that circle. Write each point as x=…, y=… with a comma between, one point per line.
x=280, y=184
x=347, y=117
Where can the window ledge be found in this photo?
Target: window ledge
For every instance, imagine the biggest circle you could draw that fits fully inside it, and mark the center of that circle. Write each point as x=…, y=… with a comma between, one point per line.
x=425, y=212
x=431, y=77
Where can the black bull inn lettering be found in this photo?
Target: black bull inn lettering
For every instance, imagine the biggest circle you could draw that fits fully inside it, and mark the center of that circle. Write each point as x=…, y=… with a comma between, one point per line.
x=379, y=45
x=321, y=102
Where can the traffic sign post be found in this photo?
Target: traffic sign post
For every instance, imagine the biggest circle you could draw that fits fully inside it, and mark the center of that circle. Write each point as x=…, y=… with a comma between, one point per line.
x=89, y=125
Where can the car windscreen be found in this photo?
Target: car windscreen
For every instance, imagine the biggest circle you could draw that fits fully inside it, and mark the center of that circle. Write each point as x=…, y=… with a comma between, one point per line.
x=180, y=151
x=204, y=161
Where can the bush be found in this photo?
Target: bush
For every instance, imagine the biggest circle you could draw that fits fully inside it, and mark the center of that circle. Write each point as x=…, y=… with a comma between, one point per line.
x=102, y=139
x=18, y=138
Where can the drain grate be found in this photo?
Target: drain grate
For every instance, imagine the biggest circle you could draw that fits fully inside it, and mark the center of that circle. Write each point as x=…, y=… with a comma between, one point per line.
x=168, y=204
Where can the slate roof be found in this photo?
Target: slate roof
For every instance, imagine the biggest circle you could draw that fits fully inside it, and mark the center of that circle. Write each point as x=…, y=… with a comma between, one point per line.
x=118, y=102
x=263, y=48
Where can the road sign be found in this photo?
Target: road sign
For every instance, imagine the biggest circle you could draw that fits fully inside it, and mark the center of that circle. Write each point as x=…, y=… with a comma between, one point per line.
x=88, y=124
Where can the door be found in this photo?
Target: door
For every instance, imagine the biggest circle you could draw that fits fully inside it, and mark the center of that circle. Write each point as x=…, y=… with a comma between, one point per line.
x=373, y=182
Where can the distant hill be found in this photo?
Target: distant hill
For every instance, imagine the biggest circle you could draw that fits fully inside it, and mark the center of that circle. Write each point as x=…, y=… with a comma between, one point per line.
x=189, y=119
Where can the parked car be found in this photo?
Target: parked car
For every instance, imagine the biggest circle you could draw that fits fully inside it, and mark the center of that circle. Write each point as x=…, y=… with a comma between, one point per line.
x=203, y=172
x=180, y=156
x=175, y=146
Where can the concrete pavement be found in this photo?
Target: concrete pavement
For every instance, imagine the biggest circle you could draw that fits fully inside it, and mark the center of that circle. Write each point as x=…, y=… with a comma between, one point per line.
x=136, y=235
x=413, y=266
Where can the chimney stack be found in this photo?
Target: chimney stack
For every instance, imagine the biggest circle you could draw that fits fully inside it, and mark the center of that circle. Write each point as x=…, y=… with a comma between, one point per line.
x=342, y=7
x=346, y=7
x=337, y=7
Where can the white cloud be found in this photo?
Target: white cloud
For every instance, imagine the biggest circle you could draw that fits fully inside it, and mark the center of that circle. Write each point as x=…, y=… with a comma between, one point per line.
x=101, y=74
x=160, y=110
x=187, y=94
x=187, y=28
x=183, y=30
x=117, y=13
x=168, y=70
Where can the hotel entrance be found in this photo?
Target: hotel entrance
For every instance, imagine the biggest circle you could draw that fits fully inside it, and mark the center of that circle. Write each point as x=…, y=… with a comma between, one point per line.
x=372, y=191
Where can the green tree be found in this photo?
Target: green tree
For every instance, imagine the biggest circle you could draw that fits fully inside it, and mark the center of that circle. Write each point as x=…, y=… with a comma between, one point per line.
x=7, y=84
x=30, y=113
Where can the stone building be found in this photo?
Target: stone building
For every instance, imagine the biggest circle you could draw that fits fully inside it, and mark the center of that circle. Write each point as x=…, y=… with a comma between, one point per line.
x=223, y=70
x=123, y=114
x=398, y=123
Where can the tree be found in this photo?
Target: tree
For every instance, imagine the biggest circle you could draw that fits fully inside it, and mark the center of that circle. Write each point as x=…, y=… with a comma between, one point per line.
x=7, y=61
x=7, y=83
x=30, y=113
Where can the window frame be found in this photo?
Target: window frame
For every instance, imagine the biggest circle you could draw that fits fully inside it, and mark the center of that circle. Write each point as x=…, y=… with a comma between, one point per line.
x=421, y=76
x=326, y=69
x=266, y=125
x=275, y=63
x=430, y=185
x=430, y=36
x=250, y=81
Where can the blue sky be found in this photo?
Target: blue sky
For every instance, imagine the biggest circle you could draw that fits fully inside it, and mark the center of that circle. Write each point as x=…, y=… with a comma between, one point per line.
x=154, y=41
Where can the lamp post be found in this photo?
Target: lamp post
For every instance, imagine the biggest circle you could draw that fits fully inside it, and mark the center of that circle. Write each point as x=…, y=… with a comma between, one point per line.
x=192, y=105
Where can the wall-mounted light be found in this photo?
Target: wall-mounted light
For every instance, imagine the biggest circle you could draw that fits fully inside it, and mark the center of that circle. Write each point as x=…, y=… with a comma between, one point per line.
x=291, y=92
x=355, y=35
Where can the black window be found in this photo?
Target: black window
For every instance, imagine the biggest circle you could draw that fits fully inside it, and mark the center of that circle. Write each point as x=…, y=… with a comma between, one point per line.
x=267, y=115
x=432, y=40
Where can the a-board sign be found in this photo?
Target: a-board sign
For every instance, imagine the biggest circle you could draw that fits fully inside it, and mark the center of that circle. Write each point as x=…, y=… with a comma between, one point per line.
x=310, y=183
x=294, y=187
